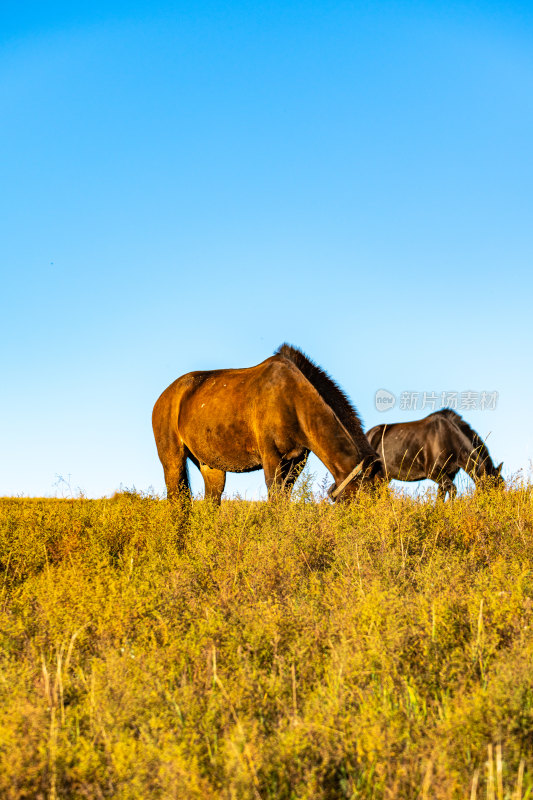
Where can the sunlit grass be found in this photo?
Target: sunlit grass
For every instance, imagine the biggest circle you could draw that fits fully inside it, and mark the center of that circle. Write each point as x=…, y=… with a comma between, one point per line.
x=288, y=650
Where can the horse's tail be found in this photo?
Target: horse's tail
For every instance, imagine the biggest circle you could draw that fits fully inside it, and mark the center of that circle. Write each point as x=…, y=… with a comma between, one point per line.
x=374, y=435
x=170, y=447
x=330, y=392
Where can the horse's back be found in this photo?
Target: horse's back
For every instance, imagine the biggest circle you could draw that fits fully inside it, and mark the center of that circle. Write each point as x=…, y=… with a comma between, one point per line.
x=266, y=375
x=246, y=394
x=225, y=417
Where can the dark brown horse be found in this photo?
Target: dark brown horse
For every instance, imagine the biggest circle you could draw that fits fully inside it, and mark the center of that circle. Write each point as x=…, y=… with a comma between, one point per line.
x=268, y=416
x=435, y=447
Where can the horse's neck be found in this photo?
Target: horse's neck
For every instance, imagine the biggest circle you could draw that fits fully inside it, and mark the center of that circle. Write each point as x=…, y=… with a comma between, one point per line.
x=474, y=454
x=327, y=437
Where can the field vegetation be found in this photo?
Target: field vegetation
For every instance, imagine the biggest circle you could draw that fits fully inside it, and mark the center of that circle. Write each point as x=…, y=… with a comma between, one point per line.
x=382, y=649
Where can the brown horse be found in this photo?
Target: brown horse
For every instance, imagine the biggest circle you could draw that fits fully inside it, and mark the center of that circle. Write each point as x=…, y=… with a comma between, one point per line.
x=268, y=416
x=435, y=447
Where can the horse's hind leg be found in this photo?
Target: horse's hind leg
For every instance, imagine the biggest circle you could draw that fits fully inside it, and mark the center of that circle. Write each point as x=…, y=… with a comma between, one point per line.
x=174, y=461
x=176, y=480
x=214, y=480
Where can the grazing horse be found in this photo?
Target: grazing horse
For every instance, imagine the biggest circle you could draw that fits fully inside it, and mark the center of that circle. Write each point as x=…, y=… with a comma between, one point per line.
x=435, y=447
x=269, y=416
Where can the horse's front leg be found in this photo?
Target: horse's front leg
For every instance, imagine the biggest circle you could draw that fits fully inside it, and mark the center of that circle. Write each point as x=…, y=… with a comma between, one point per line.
x=291, y=471
x=281, y=473
x=273, y=467
x=446, y=485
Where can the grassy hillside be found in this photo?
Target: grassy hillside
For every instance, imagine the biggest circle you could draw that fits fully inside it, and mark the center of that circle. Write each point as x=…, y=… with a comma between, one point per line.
x=294, y=650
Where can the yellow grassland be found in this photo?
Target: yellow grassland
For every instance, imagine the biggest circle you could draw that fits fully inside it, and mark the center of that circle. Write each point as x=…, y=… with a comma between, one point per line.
x=290, y=650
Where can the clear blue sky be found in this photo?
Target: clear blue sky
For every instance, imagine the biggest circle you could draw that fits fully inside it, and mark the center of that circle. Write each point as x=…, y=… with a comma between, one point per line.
x=186, y=186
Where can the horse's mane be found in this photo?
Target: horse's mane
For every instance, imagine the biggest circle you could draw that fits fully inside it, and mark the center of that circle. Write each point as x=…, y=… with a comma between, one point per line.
x=477, y=442
x=329, y=391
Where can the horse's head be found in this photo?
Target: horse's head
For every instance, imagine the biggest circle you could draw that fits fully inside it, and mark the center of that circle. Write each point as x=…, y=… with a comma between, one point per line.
x=367, y=473
x=491, y=475
x=497, y=475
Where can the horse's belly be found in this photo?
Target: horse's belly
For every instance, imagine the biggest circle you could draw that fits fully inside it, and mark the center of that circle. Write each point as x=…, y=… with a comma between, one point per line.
x=224, y=447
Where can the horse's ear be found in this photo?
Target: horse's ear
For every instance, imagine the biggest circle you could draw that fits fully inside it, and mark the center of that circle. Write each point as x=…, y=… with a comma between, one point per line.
x=499, y=468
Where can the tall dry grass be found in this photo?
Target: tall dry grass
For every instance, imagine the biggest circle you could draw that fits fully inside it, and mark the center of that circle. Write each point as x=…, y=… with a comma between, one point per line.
x=294, y=650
